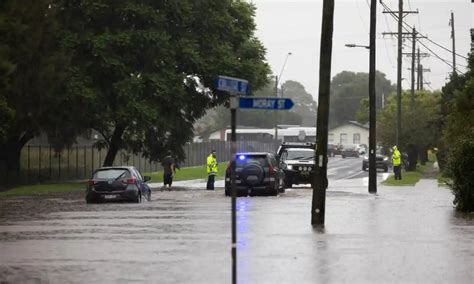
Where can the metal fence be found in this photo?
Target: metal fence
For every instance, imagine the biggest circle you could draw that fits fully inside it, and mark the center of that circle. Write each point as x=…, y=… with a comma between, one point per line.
x=44, y=164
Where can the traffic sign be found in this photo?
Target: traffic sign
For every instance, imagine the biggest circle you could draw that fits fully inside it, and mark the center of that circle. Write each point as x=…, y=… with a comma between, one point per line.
x=266, y=103
x=232, y=85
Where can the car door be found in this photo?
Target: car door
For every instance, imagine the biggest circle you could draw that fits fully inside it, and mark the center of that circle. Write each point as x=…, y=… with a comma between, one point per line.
x=279, y=176
x=142, y=186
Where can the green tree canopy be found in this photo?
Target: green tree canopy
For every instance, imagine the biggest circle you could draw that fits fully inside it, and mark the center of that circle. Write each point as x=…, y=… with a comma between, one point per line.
x=418, y=122
x=348, y=89
x=302, y=113
x=305, y=106
x=145, y=69
x=31, y=70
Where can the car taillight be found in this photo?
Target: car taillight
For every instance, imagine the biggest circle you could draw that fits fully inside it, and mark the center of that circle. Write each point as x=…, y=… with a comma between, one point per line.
x=130, y=181
x=270, y=168
x=92, y=182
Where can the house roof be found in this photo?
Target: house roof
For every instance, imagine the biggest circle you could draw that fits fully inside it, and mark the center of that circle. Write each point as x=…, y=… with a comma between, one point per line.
x=354, y=123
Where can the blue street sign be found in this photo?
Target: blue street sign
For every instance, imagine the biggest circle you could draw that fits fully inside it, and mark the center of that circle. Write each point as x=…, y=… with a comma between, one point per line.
x=266, y=103
x=232, y=85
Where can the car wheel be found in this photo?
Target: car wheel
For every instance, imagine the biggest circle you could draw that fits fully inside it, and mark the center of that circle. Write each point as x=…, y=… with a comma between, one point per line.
x=138, y=199
x=288, y=183
x=274, y=190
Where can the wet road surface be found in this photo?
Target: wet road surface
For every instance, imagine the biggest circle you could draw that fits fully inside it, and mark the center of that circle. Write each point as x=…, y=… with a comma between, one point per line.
x=401, y=235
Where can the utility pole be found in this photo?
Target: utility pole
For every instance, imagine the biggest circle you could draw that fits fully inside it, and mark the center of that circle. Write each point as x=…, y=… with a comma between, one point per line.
x=276, y=114
x=399, y=74
x=413, y=68
x=372, y=98
x=320, y=180
x=400, y=13
x=418, y=70
x=454, y=42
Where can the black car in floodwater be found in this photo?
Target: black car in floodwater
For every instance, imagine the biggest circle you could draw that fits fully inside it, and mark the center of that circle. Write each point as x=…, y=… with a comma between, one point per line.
x=256, y=174
x=117, y=183
x=382, y=162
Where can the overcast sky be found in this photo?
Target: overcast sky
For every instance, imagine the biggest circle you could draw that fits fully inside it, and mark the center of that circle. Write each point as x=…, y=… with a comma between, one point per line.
x=295, y=26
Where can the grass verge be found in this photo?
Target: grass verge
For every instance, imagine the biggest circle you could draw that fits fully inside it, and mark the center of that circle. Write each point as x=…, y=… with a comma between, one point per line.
x=190, y=173
x=408, y=178
x=183, y=174
x=44, y=189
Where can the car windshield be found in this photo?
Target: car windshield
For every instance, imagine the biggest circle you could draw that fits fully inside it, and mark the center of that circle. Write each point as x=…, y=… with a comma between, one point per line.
x=349, y=147
x=112, y=174
x=300, y=155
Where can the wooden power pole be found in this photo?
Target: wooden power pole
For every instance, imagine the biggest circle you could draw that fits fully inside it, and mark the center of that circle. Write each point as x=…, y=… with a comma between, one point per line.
x=454, y=41
x=320, y=180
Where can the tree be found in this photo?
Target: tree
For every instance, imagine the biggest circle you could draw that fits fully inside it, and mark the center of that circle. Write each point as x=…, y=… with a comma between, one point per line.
x=148, y=67
x=30, y=67
x=302, y=113
x=459, y=137
x=305, y=106
x=348, y=89
x=419, y=122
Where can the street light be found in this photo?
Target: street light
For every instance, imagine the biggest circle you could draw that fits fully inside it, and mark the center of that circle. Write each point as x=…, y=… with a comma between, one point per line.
x=372, y=110
x=277, y=80
x=356, y=45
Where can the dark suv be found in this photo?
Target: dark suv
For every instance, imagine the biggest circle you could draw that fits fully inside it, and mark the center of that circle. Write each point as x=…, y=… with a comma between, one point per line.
x=297, y=161
x=256, y=173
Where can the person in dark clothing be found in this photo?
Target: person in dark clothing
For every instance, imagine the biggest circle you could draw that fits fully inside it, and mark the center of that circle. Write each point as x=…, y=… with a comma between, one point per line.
x=168, y=164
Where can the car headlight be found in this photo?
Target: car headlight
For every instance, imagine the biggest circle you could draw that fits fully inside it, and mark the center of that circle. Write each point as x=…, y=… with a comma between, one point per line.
x=385, y=159
x=289, y=167
x=300, y=168
x=366, y=158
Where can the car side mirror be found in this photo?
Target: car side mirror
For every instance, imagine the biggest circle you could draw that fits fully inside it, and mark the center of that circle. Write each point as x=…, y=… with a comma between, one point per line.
x=147, y=178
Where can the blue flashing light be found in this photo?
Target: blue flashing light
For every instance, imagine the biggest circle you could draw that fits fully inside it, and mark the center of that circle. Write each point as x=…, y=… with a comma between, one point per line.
x=241, y=157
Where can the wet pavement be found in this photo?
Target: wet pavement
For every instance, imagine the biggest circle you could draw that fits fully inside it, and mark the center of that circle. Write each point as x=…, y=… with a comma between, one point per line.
x=400, y=235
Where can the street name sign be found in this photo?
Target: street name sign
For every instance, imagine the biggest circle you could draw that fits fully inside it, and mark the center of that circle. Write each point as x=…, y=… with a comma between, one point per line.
x=266, y=103
x=232, y=85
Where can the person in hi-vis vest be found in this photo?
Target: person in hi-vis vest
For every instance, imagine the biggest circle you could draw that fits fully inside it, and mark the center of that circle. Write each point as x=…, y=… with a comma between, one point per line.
x=396, y=161
x=211, y=170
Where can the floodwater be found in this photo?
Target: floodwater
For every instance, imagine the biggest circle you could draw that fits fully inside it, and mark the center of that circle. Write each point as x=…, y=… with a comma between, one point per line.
x=400, y=235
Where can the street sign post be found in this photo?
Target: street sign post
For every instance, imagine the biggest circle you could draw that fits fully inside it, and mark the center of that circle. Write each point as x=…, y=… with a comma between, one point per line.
x=232, y=85
x=266, y=103
x=236, y=86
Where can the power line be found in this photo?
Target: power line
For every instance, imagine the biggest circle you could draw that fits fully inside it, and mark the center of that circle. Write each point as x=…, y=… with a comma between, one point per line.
x=404, y=24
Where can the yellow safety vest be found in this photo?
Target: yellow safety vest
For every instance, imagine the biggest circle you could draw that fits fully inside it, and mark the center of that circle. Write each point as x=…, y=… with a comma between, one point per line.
x=211, y=165
x=396, y=158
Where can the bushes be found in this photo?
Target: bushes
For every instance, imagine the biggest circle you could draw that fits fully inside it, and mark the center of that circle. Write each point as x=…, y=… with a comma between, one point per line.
x=461, y=170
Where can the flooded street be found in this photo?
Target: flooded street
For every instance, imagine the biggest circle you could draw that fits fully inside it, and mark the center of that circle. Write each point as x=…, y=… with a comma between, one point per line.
x=183, y=236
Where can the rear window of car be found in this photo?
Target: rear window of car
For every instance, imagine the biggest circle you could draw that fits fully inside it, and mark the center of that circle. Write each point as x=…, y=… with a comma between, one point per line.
x=243, y=160
x=112, y=174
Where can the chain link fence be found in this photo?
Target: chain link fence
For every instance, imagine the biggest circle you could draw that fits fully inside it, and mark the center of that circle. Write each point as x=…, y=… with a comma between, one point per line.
x=44, y=164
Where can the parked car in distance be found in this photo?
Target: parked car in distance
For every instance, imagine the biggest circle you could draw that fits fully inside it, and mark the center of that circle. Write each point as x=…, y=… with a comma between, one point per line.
x=256, y=173
x=362, y=149
x=334, y=149
x=117, y=183
x=381, y=161
x=350, y=150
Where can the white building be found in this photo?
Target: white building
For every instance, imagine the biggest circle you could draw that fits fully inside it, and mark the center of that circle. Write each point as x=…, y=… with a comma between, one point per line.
x=350, y=133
